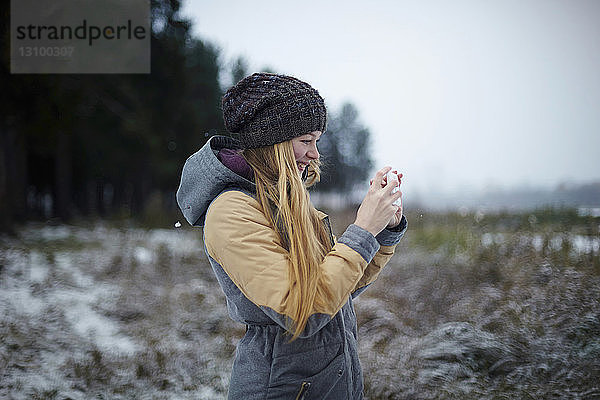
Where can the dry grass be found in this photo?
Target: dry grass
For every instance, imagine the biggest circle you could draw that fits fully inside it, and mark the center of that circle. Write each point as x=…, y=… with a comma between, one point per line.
x=473, y=306
x=460, y=315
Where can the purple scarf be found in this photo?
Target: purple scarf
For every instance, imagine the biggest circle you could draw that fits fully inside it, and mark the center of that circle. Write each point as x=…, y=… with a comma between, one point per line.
x=233, y=160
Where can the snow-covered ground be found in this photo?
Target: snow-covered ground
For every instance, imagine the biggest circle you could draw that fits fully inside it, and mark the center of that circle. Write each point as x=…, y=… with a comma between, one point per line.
x=126, y=313
x=114, y=313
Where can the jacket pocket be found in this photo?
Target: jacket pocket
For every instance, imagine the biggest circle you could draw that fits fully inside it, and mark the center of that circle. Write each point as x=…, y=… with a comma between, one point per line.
x=317, y=386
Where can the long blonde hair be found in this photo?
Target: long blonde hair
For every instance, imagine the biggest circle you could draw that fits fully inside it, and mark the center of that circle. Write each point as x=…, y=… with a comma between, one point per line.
x=284, y=200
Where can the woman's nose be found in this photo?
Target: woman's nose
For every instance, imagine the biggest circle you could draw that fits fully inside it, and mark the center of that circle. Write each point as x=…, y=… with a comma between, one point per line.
x=313, y=152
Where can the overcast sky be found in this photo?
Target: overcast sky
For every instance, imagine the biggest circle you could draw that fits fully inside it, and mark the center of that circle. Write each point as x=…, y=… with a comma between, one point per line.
x=458, y=95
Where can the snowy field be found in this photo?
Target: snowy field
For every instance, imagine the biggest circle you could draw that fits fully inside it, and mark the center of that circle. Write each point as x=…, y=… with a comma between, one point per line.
x=472, y=306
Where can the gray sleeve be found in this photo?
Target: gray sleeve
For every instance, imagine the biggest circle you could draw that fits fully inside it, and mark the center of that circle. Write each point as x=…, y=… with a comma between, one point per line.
x=361, y=241
x=390, y=237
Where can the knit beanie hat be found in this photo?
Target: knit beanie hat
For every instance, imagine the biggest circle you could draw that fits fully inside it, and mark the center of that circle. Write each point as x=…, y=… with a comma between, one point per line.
x=264, y=109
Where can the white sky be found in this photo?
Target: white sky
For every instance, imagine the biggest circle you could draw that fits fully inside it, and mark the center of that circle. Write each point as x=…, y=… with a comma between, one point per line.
x=458, y=95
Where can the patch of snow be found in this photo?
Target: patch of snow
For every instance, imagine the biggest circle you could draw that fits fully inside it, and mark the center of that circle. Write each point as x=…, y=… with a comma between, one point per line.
x=556, y=243
x=487, y=239
x=64, y=262
x=586, y=244
x=537, y=242
x=589, y=211
x=38, y=267
x=22, y=300
x=180, y=242
x=208, y=393
x=86, y=322
x=143, y=255
x=54, y=232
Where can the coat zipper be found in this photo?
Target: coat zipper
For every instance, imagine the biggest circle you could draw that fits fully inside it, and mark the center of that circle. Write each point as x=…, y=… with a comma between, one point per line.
x=303, y=389
x=328, y=225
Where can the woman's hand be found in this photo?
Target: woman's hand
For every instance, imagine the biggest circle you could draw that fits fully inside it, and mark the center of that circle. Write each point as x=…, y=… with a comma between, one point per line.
x=376, y=210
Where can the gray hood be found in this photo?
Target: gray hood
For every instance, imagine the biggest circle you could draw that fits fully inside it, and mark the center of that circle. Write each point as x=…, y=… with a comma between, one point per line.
x=204, y=177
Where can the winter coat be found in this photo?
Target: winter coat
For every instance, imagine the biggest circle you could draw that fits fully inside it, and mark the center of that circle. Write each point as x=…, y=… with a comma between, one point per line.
x=250, y=265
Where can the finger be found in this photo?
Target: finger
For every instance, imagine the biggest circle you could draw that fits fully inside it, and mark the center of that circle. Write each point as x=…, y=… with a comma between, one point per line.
x=394, y=182
x=381, y=173
x=397, y=195
x=399, y=210
x=397, y=176
x=390, y=186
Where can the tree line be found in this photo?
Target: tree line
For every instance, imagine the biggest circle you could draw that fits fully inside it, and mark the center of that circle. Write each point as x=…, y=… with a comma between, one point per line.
x=98, y=145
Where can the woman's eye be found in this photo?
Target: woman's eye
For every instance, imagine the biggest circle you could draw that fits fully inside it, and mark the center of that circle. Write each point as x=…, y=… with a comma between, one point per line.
x=306, y=141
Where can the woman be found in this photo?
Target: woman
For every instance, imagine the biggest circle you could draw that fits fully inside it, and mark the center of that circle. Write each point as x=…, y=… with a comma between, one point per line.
x=283, y=273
